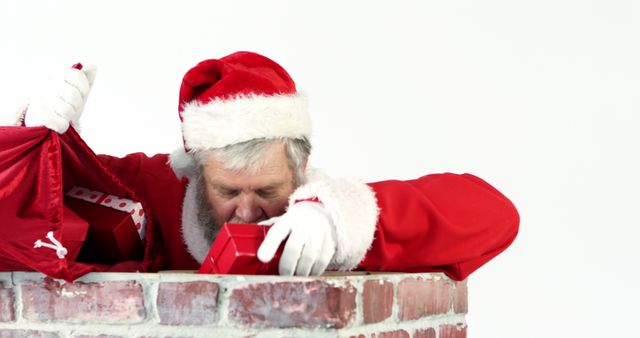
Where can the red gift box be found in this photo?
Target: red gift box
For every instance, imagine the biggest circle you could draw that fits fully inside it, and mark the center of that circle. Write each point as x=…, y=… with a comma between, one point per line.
x=235, y=251
x=74, y=232
x=112, y=237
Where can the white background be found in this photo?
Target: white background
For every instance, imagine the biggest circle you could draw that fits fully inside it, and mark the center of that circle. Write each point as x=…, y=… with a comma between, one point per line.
x=540, y=98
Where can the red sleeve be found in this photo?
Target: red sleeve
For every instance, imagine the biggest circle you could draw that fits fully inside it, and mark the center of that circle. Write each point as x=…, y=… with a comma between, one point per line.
x=152, y=178
x=442, y=222
x=133, y=167
x=155, y=181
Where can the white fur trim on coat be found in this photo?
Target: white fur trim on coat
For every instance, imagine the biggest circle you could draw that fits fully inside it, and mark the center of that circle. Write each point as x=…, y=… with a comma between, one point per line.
x=182, y=163
x=219, y=123
x=193, y=233
x=354, y=210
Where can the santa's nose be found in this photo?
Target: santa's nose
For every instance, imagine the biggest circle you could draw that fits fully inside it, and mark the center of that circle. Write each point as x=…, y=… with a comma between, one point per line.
x=248, y=211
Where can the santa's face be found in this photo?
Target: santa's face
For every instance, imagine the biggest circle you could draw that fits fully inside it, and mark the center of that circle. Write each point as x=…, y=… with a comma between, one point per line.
x=252, y=195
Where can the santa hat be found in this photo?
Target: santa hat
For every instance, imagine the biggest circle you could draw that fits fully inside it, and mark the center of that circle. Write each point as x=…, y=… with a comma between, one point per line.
x=237, y=98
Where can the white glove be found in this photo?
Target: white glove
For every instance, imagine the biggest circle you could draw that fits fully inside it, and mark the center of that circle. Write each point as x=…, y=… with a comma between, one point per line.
x=311, y=244
x=64, y=104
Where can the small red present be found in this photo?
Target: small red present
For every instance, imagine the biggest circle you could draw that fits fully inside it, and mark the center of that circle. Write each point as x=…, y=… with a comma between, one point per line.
x=235, y=251
x=74, y=232
x=116, y=226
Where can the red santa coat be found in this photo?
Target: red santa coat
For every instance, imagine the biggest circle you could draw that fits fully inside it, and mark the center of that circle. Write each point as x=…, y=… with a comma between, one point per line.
x=441, y=222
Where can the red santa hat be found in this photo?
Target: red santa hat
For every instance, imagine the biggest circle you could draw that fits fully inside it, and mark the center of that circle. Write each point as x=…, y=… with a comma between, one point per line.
x=240, y=97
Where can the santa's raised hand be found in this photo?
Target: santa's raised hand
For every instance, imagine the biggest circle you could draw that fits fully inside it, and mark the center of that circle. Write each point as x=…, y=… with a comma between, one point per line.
x=62, y=105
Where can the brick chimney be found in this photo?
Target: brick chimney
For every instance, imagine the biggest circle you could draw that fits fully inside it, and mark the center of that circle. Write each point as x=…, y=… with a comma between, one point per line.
x=190, y=305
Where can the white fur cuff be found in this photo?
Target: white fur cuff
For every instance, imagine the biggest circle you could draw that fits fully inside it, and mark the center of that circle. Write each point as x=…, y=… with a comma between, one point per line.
x=354, y=210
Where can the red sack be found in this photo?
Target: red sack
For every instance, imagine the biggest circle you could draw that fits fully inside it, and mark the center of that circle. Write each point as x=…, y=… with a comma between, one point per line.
x=37, y=167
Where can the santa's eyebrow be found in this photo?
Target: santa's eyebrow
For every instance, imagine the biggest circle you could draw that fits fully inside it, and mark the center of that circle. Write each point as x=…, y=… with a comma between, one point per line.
x=222, y=186
x=272, y=186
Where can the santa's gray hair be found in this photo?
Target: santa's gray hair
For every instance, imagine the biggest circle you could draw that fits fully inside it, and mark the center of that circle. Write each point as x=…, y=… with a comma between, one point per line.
x=248, y=155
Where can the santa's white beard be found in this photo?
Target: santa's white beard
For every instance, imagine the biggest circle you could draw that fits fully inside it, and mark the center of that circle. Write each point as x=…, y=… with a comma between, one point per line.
x=205, y=213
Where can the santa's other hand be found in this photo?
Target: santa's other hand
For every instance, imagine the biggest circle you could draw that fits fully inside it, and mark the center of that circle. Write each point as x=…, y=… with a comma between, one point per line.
x=311, y=242
x=63, y=104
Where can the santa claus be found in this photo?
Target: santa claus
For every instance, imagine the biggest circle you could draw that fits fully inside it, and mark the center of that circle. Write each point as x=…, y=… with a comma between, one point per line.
x=246, y=136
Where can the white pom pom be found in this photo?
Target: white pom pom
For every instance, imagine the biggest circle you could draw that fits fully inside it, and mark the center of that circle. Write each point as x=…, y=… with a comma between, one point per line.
x=182, y=163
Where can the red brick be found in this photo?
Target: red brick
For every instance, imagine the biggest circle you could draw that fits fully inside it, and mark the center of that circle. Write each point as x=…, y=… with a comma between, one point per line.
x=419, y=297
x=293, y=304
x=105, y=302
x=392, y=334
x=425, y=333
x=7, y=301
x=460, y=297
x=27, y=334
x=453, y=331
x=187, y=303
x=377, y=300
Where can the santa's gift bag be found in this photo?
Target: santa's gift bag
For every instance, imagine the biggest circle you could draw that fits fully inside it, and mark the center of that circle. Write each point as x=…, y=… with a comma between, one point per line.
x=63, y=213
